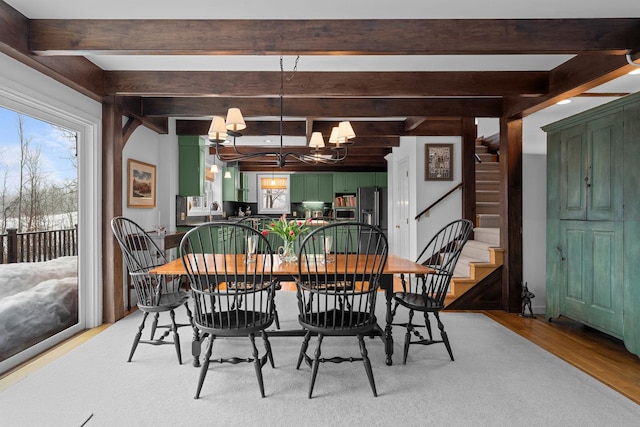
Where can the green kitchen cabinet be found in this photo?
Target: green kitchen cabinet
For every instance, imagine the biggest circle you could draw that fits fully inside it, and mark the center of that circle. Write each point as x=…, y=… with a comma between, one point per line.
x=345, y=182
x=230, y=184
x=296, y=187
x=325, y=187
x=243, y=187
x=381, y=179
x=191, y=166
x=366, y=179
x=311, y=187
x=346, y=240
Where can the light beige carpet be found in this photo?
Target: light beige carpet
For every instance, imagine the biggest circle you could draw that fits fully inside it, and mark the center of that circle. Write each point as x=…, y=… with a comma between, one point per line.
x=497, y=379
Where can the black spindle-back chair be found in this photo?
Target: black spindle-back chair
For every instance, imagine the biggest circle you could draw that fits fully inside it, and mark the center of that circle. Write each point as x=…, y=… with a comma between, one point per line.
x=337, y=289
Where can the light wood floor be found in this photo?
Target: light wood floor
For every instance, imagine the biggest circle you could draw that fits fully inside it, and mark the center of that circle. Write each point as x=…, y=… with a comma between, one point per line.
x=603, y=357
x=599, y=355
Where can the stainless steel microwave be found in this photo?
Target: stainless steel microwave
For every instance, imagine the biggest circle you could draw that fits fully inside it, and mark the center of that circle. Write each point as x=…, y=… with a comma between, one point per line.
x=345, y=213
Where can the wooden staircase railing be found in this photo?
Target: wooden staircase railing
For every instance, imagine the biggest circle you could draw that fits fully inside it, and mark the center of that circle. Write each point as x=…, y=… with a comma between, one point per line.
x=444, y=196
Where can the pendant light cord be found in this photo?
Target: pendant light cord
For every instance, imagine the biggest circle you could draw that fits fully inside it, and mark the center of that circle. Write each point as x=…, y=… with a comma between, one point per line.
x=295, y=68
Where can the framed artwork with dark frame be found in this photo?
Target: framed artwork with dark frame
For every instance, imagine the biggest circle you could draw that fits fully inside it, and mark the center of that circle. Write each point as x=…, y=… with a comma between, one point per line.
x=141, y=186
x=438, y=162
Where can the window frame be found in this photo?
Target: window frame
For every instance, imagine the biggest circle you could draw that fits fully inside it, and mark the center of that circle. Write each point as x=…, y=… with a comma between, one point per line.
x=287, y=193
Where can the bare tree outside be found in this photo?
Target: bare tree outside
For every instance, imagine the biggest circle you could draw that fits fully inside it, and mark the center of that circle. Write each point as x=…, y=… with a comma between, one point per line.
x=30, y=198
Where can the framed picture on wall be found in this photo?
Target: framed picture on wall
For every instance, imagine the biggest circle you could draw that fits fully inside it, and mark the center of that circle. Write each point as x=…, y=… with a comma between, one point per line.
x=438, y=162
x=141, y=186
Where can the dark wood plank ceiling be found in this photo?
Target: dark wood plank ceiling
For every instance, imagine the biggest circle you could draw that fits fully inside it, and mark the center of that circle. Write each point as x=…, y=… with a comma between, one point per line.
x=381, y=105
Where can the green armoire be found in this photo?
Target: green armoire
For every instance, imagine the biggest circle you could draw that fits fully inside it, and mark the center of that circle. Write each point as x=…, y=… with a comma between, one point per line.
x=593, y=219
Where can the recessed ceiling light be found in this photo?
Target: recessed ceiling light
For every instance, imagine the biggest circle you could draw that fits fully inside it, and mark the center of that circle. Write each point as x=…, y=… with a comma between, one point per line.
x=564, y=101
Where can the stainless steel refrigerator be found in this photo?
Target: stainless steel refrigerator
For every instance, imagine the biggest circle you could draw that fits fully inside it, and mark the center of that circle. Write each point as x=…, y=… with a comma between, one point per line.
x=372, y=207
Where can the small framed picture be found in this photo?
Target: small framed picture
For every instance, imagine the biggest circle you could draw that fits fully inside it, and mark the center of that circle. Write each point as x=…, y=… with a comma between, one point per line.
x=438, y=162
x=141, y=188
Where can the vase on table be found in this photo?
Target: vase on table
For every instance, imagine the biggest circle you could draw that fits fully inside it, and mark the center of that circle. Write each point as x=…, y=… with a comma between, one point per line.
x=286, y=252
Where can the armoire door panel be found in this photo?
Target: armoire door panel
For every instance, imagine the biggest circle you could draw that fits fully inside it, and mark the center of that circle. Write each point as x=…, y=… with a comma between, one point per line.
x=573, y=162
x=604, y=187
x=592, y=289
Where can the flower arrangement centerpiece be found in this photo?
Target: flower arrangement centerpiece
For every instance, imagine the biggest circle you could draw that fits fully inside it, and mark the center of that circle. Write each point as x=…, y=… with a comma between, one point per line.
x=288, y=231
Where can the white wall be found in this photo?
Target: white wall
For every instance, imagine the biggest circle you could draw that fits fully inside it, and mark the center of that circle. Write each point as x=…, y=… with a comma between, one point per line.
x=423, y=193
x=162, y=151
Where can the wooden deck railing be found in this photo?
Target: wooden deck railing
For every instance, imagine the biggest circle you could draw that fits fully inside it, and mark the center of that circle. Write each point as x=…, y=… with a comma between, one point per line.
x=34, y=246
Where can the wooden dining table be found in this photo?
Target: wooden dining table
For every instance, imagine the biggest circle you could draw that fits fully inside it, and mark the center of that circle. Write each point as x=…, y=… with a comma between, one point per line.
x=288, y=271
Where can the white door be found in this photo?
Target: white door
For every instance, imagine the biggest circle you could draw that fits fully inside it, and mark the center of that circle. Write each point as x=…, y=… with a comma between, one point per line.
x=401, y=210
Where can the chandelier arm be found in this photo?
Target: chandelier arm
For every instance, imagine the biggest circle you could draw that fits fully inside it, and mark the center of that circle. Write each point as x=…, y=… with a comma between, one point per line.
x=241, y=156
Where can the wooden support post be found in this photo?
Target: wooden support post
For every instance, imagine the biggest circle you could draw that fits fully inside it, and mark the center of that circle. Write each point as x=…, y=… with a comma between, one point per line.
x=469, y=135
x=112, y=266
x=511, y=211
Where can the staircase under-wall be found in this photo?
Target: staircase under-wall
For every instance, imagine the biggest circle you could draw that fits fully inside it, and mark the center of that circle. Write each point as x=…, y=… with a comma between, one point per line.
x=482, y=256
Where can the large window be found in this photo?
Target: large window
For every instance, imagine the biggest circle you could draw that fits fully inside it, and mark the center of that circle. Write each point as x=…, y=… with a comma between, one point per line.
x=38, y=231
x=273, y=194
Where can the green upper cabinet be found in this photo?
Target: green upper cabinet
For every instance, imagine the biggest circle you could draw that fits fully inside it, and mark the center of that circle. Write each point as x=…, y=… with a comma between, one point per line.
x=311, y=187
x=325, y=187
x=296, y=188
x=366, y=179
x=345, y=182
x=591, y=170
x=381, y=179
x=191, y=165
x=349, y=182
x=230, y=185
x=243, y=187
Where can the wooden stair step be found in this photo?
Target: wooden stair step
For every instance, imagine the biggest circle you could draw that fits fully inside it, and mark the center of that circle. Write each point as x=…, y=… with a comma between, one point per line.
x=478, y=251
x=488, y=208
x=487, y=175
x=487, y=157
x=487, y=166
x=487, y=185
x=488, y=220
x=489, y=235
x=487, y=196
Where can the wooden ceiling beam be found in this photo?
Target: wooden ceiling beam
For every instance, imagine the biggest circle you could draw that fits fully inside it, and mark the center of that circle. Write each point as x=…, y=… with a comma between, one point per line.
x=325, y=107
x=578, y=75
x=323, y=37
x=79, y=74
x=326, y=84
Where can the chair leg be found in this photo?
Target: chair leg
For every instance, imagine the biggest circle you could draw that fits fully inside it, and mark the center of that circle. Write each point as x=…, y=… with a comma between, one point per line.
x=257, y=363
x=427, y=323
x=136, y=339
x=275, y=314
x=176, y=337
x=316, y=362
x=154, y=325
x=367, y=365
x=303, y=349
x=190, y=315
x=407, y=338
x=205, y=366
x=444, y=336
x=267, y=346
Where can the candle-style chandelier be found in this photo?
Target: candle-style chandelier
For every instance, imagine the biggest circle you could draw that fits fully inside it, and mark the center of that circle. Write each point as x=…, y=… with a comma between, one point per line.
x=221, y=128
